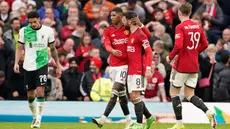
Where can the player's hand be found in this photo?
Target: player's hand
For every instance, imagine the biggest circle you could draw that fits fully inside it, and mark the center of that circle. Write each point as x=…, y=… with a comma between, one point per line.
x=64, y=98
x=116, y=52
x=15, y=94
x=148, y=74
x=16, y=68
x=168, y=60
x=85, y=54
x=1, y=98
x=58, y=72
x=86, y=98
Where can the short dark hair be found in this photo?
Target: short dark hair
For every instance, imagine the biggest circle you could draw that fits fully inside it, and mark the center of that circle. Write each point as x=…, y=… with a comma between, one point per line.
x=77, y=60
x=130, y=14
x=158, y=10
x=14, y=19
x=81, y=23
x=185, y=9
x=224, y=57
x=132, y=2
x=33, y=14
x=117, y=10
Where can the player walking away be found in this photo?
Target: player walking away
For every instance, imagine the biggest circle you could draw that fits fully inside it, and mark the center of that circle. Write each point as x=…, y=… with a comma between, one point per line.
x=190, y=41
x=36, y=38
x=115, y=41
x=138, y=65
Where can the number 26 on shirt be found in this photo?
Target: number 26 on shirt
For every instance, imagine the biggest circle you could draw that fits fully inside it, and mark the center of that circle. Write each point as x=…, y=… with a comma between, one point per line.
x=195, y=39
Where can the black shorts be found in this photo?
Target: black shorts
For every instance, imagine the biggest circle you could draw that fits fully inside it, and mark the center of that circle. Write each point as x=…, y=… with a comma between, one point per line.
x=34, y=79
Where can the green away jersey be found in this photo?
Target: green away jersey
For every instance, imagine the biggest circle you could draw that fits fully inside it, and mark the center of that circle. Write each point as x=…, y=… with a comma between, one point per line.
x=36, y=46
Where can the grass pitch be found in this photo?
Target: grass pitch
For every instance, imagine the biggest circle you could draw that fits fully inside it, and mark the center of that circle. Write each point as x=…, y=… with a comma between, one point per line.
x=106, y=126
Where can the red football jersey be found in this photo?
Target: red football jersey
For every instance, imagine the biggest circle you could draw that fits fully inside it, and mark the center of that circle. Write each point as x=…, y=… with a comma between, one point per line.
x=138, y=41
x=190, y=41
x=153, y=84
x=117, y=38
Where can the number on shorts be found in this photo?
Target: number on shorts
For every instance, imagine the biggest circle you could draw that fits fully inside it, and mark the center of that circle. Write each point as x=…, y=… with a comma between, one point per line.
x=43, y=78
x=138, y=81
x=123, y=74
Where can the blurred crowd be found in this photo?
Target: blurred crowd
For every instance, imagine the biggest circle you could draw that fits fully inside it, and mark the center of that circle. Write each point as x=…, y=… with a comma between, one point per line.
x=79, y=26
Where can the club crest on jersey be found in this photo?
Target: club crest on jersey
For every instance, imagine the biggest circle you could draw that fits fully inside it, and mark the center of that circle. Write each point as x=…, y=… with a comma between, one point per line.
x=132, y=40
x=126, y=32
x=154, y=80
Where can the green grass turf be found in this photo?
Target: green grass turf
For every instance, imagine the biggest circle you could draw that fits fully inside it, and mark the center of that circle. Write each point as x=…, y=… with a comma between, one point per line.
x=106, y=126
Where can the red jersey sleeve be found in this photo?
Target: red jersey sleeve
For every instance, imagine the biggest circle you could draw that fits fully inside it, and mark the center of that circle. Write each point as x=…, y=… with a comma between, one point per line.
x=148, y=51
x=203, y=41
x=160, y=79
x=146, y=31
x=179, y=37
x=107, y=42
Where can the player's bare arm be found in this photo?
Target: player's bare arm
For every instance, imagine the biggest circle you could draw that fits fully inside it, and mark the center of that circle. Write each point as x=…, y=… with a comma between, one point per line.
x=18, y=55
x=54, y=54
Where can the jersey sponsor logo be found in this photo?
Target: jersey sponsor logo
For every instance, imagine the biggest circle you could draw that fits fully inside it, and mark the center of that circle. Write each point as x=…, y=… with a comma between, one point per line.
x=151, y=86
x=120, y=41
x=145, y=43
x=177, y=36
x=130, y=49
x=126, y=32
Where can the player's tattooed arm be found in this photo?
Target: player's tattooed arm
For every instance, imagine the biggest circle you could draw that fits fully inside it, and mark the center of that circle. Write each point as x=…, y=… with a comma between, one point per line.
x=54, y=54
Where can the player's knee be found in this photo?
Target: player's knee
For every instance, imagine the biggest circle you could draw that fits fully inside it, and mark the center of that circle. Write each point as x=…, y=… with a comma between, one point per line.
x=134, y=95
x=115, y=93
x=136, y=100
x=31, y=94
x=40, y=91
x=189, y=96
x=118, y=86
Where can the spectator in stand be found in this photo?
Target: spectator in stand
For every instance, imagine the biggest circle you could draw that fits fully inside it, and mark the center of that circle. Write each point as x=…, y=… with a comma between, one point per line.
x=92, y=8
x=17, y=4
x=93, y=53
x=226, y=37
x=92, y=75
x=133, y=6
x=159, y=17
x=101, y=89
x=72, y=82
x=82, y=52
x=56, y=22
x=207, y=61
x=4, y=91
x=4, y=15
x=158, y=47
x=221, y=46
x=12, y=34
x=213, y=14
x=168, y=12
x=67, y=51
x=155, y=90
x=47, y=22
x=78, y=33
x=30, y=8
x=221, y=81
x=6, y=52
x=103, y=16
x=56, y=91
x=16, y=81
x=77, y=13
x=48, y=4
x=23, y=16
x=224, y=5
x=159, y=34
x=64, y=5
x=124, y=8
x=159, y=66
x=68, y=29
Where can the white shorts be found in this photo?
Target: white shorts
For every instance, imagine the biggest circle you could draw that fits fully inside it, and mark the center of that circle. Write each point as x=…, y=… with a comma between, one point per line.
x=180, y=79
x=136, y=83
x=118, y=74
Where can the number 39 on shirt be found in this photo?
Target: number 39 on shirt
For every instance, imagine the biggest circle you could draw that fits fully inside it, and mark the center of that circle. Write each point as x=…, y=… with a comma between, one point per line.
x=195, y=39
